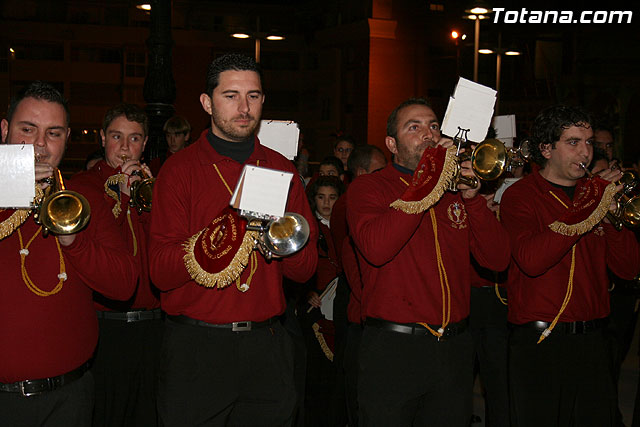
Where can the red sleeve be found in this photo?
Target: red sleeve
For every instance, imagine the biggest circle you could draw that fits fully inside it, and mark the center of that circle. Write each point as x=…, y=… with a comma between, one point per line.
x=99, y=253
x=378, y=231
x=489, y=241
x=623, y=254
x=300, y=266
x=534, y=251
x=339, y=228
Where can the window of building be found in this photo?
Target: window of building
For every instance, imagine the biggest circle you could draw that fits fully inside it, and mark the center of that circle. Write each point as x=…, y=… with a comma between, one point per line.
x=135, y=63
x=39, y=51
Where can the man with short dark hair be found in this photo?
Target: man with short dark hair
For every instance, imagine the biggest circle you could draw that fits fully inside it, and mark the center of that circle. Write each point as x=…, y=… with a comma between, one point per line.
x=130, y=332
x=416, y=353
x=49, y=327
x=226, y=359
x=559, y=366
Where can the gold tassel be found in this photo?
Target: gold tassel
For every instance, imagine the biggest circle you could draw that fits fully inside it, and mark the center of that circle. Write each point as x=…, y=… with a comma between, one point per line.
x=229, y=274
x=323, y=344
x=594, y=218
x=449, y=169
x=116, y=179
x=9, y=225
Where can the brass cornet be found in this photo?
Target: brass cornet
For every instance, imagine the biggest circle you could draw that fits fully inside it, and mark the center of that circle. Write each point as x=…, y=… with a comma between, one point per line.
x=141, y=192
x=489, y=160
x=281, y=237
x=61, y=211
x=627, y=200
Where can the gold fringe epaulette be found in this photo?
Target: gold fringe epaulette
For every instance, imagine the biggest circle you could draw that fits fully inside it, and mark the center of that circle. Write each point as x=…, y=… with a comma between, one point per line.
x=448, y=173
x=116, y=179
x=230, y=273
x=323, y=344
x=9, y=225
x=592, y=220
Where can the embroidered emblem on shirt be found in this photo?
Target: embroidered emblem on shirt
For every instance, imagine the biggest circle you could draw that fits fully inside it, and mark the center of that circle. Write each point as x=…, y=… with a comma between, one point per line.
x=458, y=215
x=599, y=231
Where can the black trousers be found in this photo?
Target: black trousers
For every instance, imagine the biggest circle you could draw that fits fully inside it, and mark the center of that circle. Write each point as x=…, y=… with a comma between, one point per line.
x=488, y=326
x=410, y=380
x=68, y=406
x=564, y=381
x=354, y=337
x=216, y=377
x=125, y=372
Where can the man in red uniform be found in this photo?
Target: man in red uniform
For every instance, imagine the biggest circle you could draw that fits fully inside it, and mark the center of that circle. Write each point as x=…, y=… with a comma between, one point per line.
x=125, y=379
x=559, y=367
x=49, y=327
x=225, y=360
x=416, y=353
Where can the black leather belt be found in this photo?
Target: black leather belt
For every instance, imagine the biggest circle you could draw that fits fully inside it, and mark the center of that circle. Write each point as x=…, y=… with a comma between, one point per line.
x=582, y=327
x=451, y=330
x=130, y=316
x=233, y=326
x=34, y=387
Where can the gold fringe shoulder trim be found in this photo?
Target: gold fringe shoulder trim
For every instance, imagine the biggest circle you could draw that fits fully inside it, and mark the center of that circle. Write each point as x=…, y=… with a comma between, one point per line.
x=323, y=344
x=592, y=220
x=449, y=170
x=116, y=179
x=9, y=225
x=227, y=275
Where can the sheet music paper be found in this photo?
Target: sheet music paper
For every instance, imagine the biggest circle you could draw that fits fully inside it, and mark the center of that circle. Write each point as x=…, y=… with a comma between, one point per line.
x=505, y=127
x=281, y=136
x=327, y=298
x=17, y=175
x=262, y=191
x=470, y=107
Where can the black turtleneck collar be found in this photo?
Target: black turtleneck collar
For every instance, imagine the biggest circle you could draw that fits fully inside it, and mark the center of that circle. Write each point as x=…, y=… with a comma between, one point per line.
x=402, y=169
x=238, y=151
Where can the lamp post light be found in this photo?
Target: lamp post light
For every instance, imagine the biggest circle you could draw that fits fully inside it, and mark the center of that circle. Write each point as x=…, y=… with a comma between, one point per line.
x=476, y=13
x=499, y=52
x=258, y=37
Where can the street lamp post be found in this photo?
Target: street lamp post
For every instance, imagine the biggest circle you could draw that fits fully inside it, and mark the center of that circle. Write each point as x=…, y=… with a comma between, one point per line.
x=476, y=13
x=257, y=36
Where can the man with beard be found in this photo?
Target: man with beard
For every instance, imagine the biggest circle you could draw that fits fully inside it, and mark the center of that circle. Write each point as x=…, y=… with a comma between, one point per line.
x=49, y=327
x=416, y=365
x=226, y=359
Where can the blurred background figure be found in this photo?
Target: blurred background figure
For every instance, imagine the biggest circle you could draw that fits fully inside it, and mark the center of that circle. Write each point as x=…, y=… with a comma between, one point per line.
x=177, y=132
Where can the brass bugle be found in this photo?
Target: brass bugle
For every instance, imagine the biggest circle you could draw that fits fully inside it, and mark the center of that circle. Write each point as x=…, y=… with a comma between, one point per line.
x=141, y=192
x=61, y=211
x=281, y=237
x=490, y=159
x=627, y=212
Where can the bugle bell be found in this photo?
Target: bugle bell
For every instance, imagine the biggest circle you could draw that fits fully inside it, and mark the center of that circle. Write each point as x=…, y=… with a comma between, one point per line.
x=61, y=211
x=281, y=237
x=627, y=212
x=490, y=159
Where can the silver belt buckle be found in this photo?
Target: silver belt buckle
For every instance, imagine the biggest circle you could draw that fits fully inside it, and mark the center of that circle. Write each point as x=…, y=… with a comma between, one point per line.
x=133, y=316
x=27, y=394
x=240, y=326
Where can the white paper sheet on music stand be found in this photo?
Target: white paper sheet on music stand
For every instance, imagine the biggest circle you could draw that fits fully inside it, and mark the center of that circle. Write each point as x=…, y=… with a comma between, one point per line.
x=470, y=107
x=505, y=127
x=281, y=136
x=262, y=191
x=17, y=175
x=327, y=298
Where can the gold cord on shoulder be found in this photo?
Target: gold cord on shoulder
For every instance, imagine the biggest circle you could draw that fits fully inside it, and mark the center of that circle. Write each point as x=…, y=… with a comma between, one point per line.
x=133, y=233
x=24, y=251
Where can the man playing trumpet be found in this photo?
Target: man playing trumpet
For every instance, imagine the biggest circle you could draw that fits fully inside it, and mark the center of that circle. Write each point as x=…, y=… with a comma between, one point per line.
x=130, y=331
x=562, y=244
x=49, y=327
x=416, y=355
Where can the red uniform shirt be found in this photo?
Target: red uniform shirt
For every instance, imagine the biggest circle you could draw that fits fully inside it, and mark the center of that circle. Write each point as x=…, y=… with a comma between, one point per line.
x=339, y=226
x=352, y=272
x=539, y=275
x=187, y=196
x=399, y=262
x=136, y=233
x=46, y=336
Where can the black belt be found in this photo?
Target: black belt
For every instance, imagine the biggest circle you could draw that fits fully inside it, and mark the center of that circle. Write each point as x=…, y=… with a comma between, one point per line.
x=582, y=327
x=233, y=326
x=451, y=330
x=130, y=316
x=33, y=387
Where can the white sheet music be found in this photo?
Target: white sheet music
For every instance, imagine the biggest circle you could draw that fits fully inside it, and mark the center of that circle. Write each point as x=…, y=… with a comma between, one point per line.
x=505, y=127
x=470, y=107
x=17, y=175
x=281, y=136
x=261, y=190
